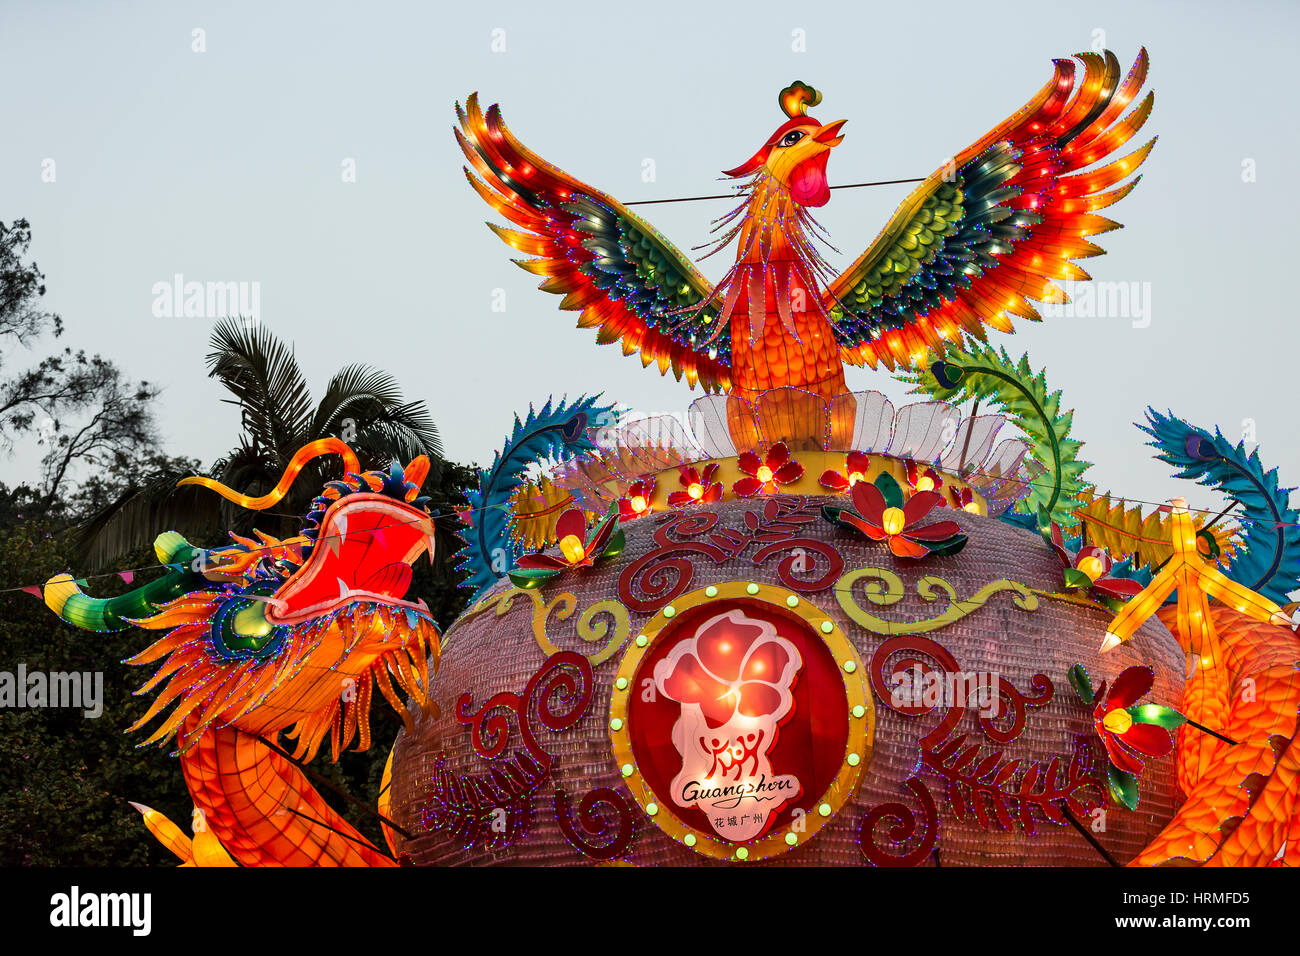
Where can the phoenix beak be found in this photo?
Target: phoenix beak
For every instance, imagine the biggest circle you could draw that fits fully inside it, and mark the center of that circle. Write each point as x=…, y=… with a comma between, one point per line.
x=829, y=135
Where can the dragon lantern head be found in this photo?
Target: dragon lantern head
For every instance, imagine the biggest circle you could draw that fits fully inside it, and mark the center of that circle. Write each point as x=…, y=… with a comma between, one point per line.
x=796, y=154
x=270, y=633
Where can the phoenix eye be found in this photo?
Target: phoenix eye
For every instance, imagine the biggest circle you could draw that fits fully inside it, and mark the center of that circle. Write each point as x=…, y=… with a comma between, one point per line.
x=791, y=138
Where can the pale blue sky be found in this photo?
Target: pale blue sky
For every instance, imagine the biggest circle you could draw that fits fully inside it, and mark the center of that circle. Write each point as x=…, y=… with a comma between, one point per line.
x=226, y=166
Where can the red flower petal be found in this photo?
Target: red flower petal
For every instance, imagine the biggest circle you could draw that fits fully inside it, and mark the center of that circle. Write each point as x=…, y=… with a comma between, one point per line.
x=920, y=505
x=765, y=662
x=723, y=646
x=689, y=476
x=833, y=480
x=1119, y=756
x=858, y=461
x=1148, y=739
x=748, y=463
x=542, y=562
x=690, y=683
x=709, y=472
x=1131, y=685
x=777, y=456
x=789, y=472
x=572, y=522
x=747, y=487
x=712, y=493
x=869, y=501
x=873, y=532
x=906, y=549
x=933, y=532
x=677, y=499
x=758, y=700
x=625, y=512
x=1121, y=588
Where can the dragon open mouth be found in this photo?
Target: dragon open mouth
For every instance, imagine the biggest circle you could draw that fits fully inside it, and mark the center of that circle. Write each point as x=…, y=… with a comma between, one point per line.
x=364, y=552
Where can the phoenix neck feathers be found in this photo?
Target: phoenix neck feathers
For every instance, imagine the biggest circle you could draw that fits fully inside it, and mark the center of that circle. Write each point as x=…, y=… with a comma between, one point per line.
x=771, y=297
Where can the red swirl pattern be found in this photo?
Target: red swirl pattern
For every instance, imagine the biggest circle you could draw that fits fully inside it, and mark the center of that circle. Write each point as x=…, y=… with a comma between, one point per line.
x=903, y=829
x=599, y=837
x=561, y=689
x=665, y=572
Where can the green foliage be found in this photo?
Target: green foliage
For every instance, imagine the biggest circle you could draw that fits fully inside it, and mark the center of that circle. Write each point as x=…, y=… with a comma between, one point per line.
x=990, y=374
x=67, y=777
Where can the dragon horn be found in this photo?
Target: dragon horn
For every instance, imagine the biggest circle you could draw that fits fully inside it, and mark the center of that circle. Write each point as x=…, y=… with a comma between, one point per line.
x=417, y=470
x=306, y=453
x=66, y=599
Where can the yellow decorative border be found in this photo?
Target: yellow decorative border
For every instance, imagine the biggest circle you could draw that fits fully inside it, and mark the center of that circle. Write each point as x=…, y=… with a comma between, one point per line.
x=861, y=718
x=564, y=604
x=928, y=588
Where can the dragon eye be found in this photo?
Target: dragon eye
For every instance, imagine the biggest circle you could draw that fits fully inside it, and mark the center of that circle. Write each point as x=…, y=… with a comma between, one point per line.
x=790, y=138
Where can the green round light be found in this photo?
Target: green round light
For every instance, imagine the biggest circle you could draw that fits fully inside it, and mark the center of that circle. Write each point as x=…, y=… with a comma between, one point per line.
x=627, y=770
x=791, y=839
x=827, y=627
x=689, y=839
x=792, y=601
x=824, y=809
x=642, y=640
x=854, y=760
x=749, y=589
x=652, y=808
x=616, y=724
x=669, y=611
x=621, y=683
x=742, y=853
x=711, y=591
x=859, y=710
x=850, y=667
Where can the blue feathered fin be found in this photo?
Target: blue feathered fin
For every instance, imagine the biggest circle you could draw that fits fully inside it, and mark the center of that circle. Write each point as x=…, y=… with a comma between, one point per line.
x=1268, y=559
x=555, y=432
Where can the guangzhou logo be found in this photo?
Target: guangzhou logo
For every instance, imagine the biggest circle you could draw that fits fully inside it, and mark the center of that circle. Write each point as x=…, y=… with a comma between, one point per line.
x=740, y=720
x=733, y=680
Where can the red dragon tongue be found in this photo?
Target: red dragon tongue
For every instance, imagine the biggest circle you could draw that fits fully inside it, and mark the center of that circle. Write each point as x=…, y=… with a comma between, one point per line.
x=808, y=181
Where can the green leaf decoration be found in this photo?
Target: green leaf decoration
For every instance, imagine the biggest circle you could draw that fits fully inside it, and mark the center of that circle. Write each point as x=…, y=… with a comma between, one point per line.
x=1074, y=578
x=1157, y=714
x=617, y=542
x=831, y=514
x=989, y=374
x=1082, y=684
x=1124, y=787
x=529, y=578
x=889, y=487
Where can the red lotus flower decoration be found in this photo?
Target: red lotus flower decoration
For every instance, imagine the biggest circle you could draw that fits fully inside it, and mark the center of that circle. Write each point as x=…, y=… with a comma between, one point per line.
x=922, y=479
x=963, y=498
x=1089, y=570
x=1128, y=730
x=637, y=500
x=578, y=549
x=856, y=464
x=699, y=486
x=882, y=516
x=767, y=475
